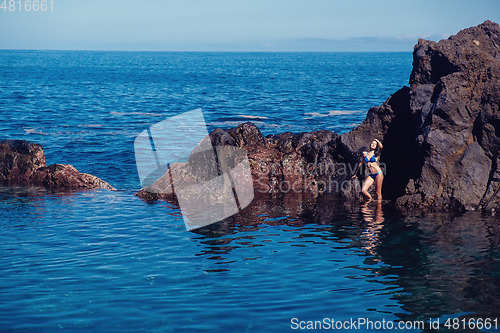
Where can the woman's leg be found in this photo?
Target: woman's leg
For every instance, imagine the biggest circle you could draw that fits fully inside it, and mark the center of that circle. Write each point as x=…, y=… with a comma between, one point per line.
x=378, y=185
x=367, y=212
x=366, y=185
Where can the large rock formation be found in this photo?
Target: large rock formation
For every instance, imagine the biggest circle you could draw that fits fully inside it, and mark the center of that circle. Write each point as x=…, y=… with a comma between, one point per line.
x=454, y=99
x=441, y=135
x=22, y=162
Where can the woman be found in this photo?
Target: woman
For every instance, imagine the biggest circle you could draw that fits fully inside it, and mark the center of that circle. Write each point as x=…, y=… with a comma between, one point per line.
x=376, y=175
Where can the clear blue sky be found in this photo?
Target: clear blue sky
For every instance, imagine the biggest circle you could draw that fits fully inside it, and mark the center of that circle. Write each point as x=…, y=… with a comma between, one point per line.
x=237, y=25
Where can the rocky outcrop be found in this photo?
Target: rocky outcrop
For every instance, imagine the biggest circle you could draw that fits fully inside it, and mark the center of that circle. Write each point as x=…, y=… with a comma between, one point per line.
x=441, y=135
x=454, y=100
x=287, y=163
x=22, y=162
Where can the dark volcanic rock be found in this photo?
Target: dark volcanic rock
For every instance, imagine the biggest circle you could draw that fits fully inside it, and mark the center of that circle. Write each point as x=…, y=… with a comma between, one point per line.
x=287, y=163
x=22, y=162
x=19, y=160
x=441, y=135
x=455, y=101
x=67, y=176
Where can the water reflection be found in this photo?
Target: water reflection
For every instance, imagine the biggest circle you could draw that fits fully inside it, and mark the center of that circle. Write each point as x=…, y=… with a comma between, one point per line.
x=27, y=202
x=428, y=265
x=432, y=265
x=445, y=262
x=30, y=203
x=374, y=217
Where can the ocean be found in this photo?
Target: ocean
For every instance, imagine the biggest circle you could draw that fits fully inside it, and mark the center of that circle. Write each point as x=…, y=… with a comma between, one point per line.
x=107, y=261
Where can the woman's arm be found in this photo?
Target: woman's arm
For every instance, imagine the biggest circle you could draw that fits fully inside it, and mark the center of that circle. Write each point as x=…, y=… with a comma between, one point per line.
x=359, y=165
x=356, y=172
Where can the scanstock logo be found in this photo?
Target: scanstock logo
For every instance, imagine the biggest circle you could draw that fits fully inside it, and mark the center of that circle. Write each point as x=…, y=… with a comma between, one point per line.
x=176, y=157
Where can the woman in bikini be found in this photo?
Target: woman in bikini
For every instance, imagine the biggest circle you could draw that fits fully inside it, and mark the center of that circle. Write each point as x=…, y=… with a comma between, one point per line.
x=376, y=175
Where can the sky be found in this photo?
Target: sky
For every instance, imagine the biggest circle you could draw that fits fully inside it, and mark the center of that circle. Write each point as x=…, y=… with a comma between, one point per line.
x=237, y=25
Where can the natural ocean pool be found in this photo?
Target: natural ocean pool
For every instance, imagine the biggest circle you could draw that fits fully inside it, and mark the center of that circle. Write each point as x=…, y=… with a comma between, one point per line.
x=108, y=261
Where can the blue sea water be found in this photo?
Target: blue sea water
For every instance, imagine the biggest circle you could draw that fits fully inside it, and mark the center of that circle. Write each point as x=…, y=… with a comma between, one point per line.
x=106, y=261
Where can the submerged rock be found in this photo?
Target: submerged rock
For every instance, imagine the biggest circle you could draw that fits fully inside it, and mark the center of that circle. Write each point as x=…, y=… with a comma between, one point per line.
x=22, y=162
x=441, y=136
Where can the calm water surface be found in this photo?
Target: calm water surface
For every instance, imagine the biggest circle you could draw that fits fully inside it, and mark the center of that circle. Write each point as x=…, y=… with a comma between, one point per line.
x=104, y=261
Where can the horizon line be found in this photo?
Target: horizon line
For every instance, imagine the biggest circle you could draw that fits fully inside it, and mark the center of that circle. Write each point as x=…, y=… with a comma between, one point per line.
x=198, y=51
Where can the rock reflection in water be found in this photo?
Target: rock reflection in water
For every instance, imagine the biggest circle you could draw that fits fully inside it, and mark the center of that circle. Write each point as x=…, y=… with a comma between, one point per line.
x=444, y=264
x=447, y=262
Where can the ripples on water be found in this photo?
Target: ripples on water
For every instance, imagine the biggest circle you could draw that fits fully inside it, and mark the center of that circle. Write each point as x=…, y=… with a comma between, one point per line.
x=107, y=261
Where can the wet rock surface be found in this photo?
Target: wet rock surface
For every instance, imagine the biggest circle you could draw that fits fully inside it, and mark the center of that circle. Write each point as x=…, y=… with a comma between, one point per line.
x=23, y=163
